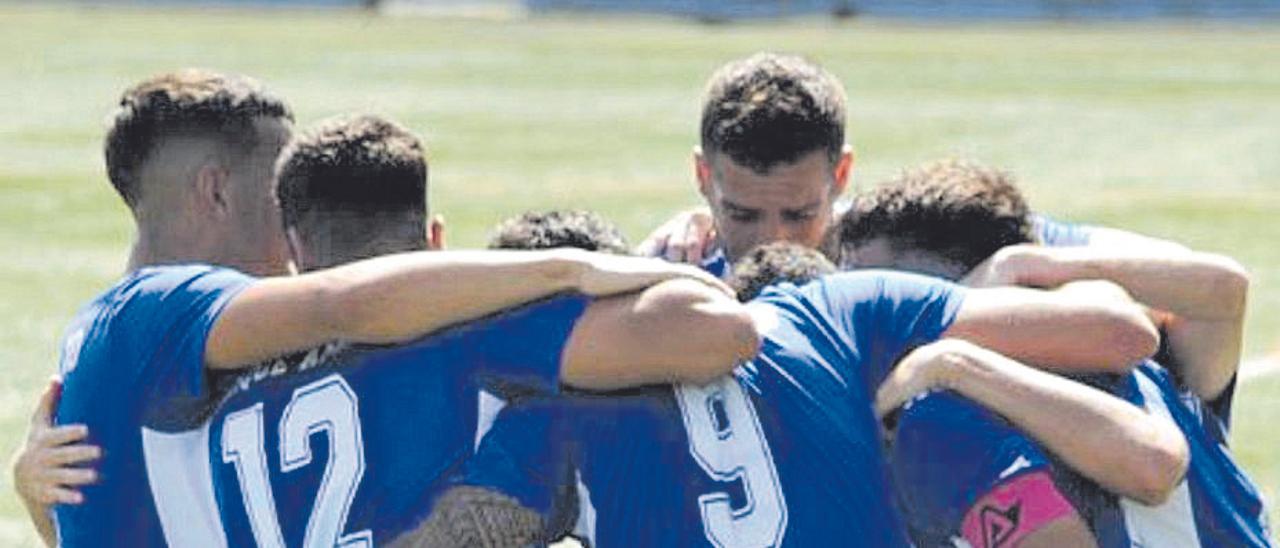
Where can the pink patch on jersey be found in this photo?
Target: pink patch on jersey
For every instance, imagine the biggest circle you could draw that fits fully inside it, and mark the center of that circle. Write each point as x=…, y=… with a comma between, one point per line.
x=1013, y=510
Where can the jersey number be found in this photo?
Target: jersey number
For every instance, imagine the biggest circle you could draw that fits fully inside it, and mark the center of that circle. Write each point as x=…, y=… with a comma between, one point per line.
x=726, y=440
x=327, y=405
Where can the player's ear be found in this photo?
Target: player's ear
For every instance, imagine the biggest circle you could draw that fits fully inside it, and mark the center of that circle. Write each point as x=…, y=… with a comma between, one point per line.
x=843, y=168
x=702, y=172
x=212, y=187
x=435, y=233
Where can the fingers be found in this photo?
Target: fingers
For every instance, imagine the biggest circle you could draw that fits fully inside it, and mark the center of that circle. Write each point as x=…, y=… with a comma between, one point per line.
x=74, y=454
x=692, y=239
x=43, y=413
x=60, y=495
x=61, y=435
x=65, y=477
x=655, y=245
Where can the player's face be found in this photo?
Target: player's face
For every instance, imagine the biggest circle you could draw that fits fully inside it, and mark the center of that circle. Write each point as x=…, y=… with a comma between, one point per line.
x=257, y=236
x=881, y=253
x=790, y=203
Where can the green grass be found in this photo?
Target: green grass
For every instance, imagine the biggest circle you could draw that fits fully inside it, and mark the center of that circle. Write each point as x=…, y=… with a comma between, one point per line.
x=1166, y=129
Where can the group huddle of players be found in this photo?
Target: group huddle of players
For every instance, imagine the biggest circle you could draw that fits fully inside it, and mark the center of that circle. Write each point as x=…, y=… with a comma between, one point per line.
x=290, y=359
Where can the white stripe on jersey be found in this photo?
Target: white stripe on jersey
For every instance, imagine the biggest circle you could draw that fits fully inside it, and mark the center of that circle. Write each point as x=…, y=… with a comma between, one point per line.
x=181, y=481
x=1172, y=524
x=487, y=408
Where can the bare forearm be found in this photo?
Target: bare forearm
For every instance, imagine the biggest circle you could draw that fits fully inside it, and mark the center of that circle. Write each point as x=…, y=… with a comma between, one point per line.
x=1047, y=328
x=1189, y=284
x=382, y=300
x=1104, y=438
x=444, y=289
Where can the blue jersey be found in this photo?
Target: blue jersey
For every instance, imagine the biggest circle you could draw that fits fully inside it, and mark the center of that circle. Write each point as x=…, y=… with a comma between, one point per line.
x=945, y=465
x=354, y=443
x=786, y=451
x=133, y=369
x=1052, y=232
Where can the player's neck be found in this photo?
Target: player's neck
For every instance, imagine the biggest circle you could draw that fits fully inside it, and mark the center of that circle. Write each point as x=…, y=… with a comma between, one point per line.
x=156, y=245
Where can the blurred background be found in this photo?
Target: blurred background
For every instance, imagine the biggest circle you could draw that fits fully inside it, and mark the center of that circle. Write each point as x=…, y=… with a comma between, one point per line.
x=1160, y=116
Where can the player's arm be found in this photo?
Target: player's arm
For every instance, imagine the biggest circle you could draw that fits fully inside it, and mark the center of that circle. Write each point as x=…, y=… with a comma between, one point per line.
x=45, y=470
x=1122, y=448
x=400, y=297
x=678, y=330
x=1082, y=326
x=1198, y=298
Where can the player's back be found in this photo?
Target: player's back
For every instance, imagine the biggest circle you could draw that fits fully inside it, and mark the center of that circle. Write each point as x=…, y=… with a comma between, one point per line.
x=133, y=373
x=787, y=450
x=349, y=446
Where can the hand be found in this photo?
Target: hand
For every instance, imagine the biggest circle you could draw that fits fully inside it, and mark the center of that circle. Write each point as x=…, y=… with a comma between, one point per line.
x=612, y=274
x=44, y=470
x=1005, y=267
x=923, y=369
x=687, y=238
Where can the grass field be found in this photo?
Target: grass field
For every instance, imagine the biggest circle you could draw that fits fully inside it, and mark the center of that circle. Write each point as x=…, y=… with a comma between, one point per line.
x=1171, y=130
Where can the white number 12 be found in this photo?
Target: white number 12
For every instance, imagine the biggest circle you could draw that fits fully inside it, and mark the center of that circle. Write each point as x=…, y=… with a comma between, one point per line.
x=327, y=405
x=726, y=440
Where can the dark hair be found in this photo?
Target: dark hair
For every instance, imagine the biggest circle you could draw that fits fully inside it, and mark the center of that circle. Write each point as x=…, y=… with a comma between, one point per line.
x=961, y=211
x=190, y=102
x=770, y=109
x=774, y=263
x=352, y=166
x=559, y=228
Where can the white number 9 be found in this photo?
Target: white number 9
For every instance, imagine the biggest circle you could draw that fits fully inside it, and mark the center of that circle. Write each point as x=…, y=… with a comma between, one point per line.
x=726, y=440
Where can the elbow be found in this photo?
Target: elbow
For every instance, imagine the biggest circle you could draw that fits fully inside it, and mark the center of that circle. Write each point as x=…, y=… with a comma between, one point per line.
x=1231, y=283
x=1130, y=338
x=1161, y=466
x=1162, y=469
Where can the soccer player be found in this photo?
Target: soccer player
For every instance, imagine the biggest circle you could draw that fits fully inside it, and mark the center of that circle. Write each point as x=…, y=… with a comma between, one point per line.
x=191, y=154
x=963, y=472
x=640, y=470
x=772, y=162
x=395, y=421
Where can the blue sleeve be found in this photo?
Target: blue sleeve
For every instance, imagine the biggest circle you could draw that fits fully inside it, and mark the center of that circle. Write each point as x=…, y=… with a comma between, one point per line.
x=187, y=302
x=1055, y=233
x=520, y=350
x=948, y=452
x=888, y=313
x=149, y=336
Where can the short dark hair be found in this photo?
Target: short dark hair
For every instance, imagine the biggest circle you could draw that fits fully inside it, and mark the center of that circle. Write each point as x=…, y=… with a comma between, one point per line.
x=191, y=102
x=769, y=109
x=774, y=263
x=560, y=228
x=353, y=166
x=962, y=211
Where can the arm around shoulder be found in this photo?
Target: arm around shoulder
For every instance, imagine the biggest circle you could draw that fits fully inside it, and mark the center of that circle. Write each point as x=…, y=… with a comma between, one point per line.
x=676, y=331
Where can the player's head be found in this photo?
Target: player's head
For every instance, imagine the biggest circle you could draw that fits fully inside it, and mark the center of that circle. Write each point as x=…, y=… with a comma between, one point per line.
x=774, y=263
x=352, y=188
x=942, y=219
x=559, y=228
x=773, y=157
x=191, y=154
